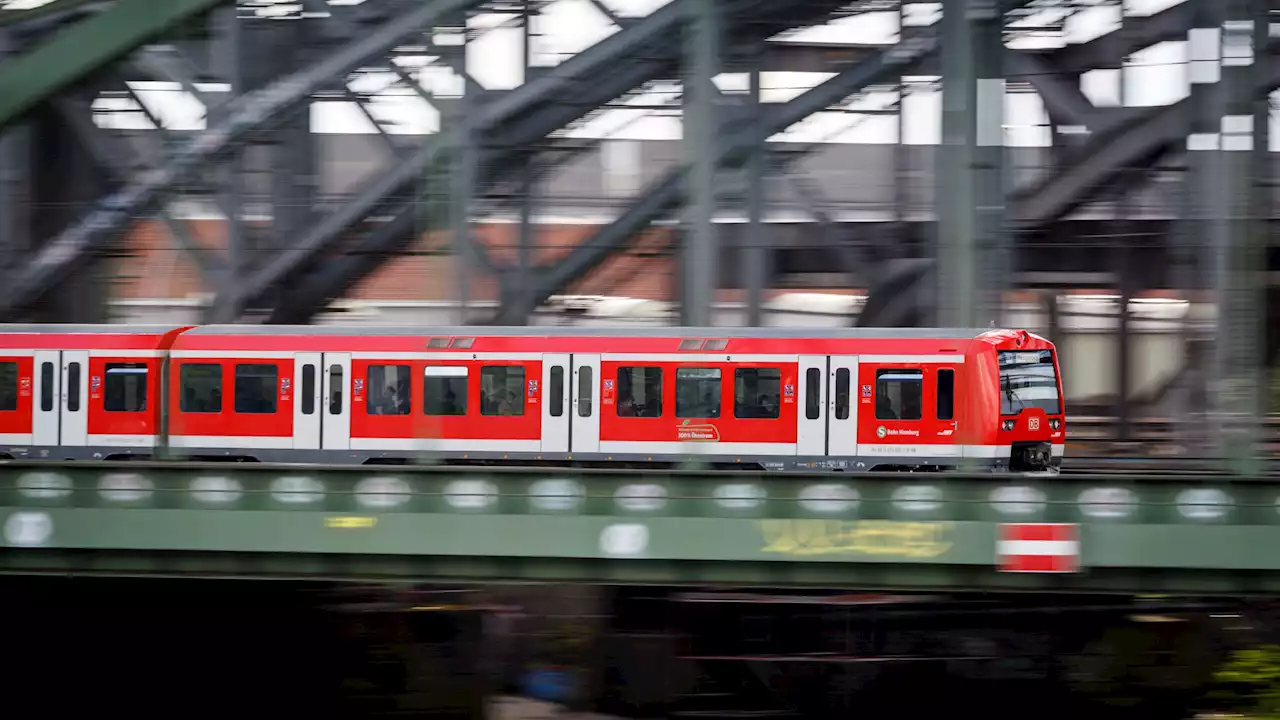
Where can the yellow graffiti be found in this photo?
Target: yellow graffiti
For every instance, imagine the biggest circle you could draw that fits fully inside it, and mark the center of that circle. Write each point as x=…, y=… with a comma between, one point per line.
x=862, y=537
x=350, y=522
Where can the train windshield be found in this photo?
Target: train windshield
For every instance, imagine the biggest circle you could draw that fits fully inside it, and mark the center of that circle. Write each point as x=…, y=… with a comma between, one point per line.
x=1028, y=380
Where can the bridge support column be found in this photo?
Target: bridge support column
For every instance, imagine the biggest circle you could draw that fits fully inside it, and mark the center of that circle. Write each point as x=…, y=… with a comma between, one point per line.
x=1237, y=237
x=972, y=255
x=15, y=188
x=700, y=256
x=1203, y=66
x=756, y=255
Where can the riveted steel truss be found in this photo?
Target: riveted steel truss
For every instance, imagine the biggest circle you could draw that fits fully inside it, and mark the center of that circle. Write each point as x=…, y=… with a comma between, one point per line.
x=968, y=202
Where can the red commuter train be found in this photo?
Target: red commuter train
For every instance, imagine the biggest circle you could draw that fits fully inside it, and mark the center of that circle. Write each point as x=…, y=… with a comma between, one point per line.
x=775, y=399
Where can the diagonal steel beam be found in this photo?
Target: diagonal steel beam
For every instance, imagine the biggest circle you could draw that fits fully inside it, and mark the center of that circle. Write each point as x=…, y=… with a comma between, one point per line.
x=664, y=193
x=172, y=66
x=652, y=47
x=530, y=103
x=659, y=198
x=403, y=178
x=342, y=273
x=244, y=114
x=363, y=106
x=535, y=116
x=340, y=17
x=1140, y=32
x=656, y=28
x=86, y=46
x=109, y=153
x=52, y=13
x=1135, y=143
x=608, y=12
x=1062, y=98
x=326, y=230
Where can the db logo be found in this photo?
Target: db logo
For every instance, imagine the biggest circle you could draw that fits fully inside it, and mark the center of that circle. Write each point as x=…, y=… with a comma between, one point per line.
x=1033, y=423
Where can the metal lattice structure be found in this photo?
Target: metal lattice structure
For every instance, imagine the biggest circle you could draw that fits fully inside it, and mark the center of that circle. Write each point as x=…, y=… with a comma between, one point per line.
x=1132, y=198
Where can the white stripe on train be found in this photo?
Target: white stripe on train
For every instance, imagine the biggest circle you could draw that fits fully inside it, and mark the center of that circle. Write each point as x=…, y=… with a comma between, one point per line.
x=606, y=447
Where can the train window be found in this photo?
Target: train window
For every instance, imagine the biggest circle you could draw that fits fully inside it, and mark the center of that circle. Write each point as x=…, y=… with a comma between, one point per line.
x=555, y=398
x=584, y=391
x=125, y=387
x=308, y=389
x=899, y=394
x=46, y=386
x=1028, y=380
x=201, y=388
x=444, y=391
x=388, y=388
x=335, y=389
x=698, y=392
x=8, y=386
x=73, y=387
x=639, y=392
x=502, y=390
x=757, y=392
x=946, y=394
x=812, y=393
x=255, y=391
x=842, y=394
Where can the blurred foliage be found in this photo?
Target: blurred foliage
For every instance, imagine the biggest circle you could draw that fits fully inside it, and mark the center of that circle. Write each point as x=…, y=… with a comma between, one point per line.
x=1250, y=682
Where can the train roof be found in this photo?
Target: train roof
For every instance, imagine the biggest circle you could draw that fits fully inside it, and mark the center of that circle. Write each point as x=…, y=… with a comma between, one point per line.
x=646, y=332
x=58, y=336
x=76, y=329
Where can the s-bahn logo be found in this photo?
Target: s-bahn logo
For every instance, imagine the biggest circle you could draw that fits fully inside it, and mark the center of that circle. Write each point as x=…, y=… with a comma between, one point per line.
x=1033, y=423
x=881, y=432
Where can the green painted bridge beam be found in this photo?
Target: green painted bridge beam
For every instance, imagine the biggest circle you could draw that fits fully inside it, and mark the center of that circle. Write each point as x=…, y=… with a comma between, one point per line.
x=85, y=47
x=1136, y=533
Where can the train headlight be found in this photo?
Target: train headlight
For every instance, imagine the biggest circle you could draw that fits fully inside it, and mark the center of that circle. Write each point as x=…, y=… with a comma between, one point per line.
x=1007, y=425
x=1055, y=424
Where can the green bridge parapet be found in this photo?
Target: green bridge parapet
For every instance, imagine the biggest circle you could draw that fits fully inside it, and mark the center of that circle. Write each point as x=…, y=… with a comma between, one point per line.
x=1135, y=533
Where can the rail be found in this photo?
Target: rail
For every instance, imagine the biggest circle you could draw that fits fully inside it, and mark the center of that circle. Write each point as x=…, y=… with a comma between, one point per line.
x=1097, y=437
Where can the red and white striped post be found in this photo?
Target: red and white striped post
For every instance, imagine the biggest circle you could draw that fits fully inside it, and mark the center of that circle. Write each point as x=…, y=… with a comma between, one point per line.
x=1038, y=547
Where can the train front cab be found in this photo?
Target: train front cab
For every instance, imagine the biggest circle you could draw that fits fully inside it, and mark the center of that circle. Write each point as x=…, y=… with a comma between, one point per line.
x=1031, y=412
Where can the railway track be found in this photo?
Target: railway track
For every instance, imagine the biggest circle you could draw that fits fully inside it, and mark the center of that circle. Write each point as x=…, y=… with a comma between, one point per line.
x=1077, y=467
x=1092, y=450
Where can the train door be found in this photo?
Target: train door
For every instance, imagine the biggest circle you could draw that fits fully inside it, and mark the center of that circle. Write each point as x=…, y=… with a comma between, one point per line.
x=811, y=436
x=75, y=398
x=585, y=422
x=842, y=406
x=336, y=383
x=44, y=428
x=306, y=401
x=555, y=403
